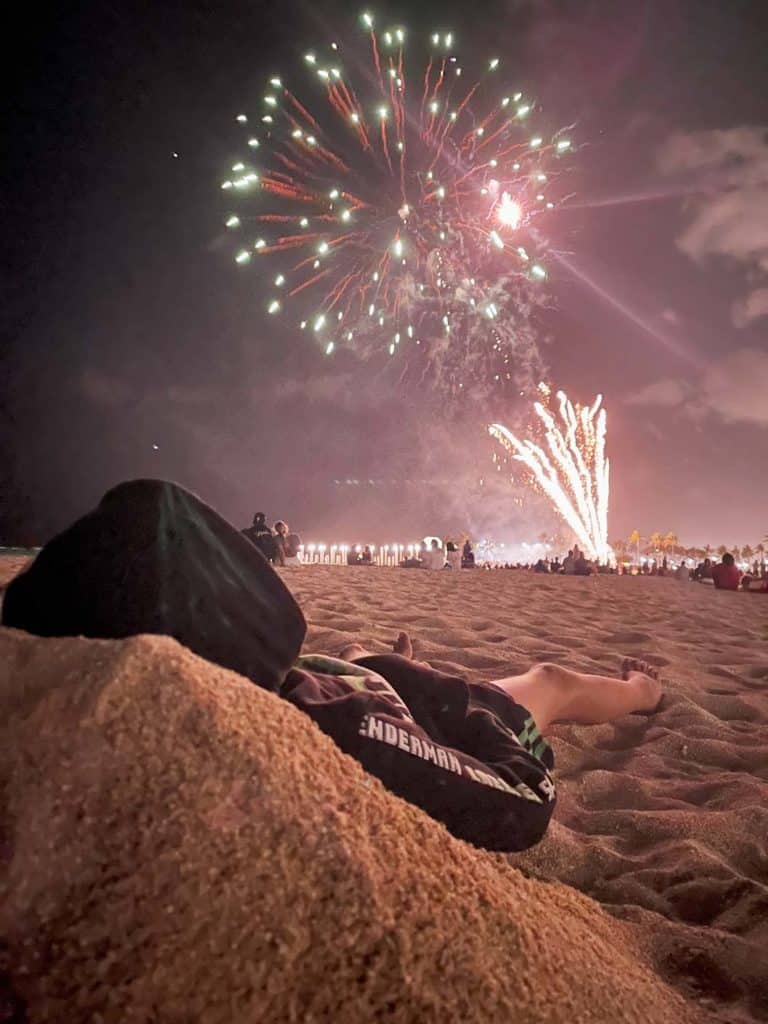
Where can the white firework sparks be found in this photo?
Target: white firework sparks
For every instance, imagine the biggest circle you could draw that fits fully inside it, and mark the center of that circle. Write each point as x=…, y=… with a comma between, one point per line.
x=570, y=468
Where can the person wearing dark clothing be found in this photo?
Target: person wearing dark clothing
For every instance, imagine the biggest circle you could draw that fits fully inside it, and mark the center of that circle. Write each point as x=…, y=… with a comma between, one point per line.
x=153, y=558
x=703, y=570
x=261, y=535
x=467, y=556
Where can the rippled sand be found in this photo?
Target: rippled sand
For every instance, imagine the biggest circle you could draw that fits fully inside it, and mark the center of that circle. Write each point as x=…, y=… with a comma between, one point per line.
x=663, y=819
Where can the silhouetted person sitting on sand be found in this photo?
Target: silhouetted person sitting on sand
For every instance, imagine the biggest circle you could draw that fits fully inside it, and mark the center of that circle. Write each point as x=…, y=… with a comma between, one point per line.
x=467, y=556
x=152, y=558
x=261, y=535
x=726, y=575
x=581, y=567
x=703, y=570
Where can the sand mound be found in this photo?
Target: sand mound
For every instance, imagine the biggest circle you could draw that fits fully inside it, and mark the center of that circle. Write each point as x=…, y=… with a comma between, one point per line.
x=662, y=819
x=182, y=846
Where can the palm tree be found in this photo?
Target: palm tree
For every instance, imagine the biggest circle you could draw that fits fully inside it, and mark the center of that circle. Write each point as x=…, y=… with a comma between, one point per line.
x=656, y=541
x=722, y=550
x=736, y=552
x=760, y=550
x=670, y=541
x=747, y=553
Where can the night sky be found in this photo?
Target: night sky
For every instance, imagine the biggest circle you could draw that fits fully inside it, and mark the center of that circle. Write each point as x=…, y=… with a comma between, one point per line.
x=125, y=324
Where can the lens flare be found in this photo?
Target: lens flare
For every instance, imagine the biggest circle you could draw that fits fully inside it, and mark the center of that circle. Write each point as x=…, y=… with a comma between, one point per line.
x=570, y=467
x=391, y=182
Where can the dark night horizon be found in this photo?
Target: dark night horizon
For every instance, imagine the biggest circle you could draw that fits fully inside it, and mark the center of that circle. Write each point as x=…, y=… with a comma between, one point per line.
x=134, y=347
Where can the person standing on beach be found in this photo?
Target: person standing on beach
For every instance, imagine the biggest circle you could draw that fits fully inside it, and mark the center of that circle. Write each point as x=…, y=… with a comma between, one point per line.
x=153, y=558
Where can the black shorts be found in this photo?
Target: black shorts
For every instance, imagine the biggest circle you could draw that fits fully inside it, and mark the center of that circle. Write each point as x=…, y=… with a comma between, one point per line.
x=416, y=682
x=466, y=753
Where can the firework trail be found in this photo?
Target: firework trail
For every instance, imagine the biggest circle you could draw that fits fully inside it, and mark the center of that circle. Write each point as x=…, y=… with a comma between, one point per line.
x=404, y=214
x=570, y=468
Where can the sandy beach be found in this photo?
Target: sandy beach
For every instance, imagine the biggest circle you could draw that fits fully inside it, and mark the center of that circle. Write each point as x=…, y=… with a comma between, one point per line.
x=661, y=819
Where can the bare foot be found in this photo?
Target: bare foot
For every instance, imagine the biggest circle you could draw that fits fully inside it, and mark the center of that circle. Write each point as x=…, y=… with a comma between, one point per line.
x=646, y=678
x=403, y=645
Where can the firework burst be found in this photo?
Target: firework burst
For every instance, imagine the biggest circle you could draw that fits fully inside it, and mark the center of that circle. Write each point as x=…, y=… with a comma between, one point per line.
x=400, y=213
x=570, y=468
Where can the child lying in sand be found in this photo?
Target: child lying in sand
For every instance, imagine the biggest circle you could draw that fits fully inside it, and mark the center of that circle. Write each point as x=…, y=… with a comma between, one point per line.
x=152, y=558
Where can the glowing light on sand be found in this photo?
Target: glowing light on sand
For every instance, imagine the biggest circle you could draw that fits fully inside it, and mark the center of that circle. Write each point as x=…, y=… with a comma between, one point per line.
x=570, y=467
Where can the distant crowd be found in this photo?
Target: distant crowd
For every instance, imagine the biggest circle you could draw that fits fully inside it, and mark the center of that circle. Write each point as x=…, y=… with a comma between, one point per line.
x=281, y=546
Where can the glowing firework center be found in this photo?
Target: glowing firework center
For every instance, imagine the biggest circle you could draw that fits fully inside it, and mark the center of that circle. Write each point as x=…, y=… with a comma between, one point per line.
x=570, y=468
x=402, y=213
